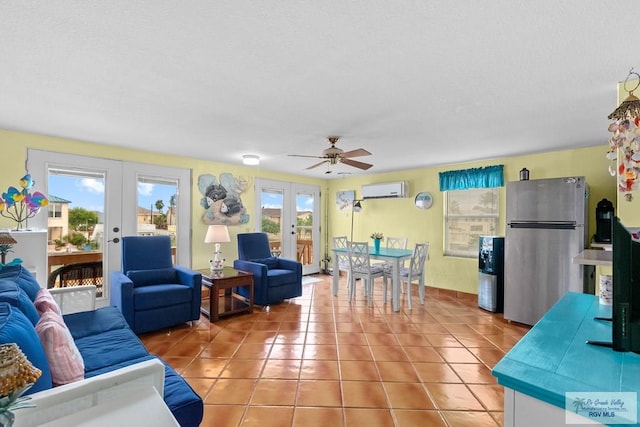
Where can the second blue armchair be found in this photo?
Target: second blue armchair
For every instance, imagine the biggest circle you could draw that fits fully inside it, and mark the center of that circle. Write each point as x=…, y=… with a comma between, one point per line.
x=274, y=279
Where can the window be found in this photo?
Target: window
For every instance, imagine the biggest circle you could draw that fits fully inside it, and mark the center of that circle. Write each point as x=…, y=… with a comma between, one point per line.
x=55, y=210
x=469, y=214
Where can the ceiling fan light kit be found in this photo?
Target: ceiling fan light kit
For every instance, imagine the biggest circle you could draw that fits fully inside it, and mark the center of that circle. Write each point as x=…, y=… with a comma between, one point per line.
x=334, y=155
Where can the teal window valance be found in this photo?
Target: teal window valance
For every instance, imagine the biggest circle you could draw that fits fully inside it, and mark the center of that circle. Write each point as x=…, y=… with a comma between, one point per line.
x=487, y=177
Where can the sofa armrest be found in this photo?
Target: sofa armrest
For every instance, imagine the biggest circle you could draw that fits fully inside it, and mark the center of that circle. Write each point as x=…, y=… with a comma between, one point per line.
x=74, y=299
x=121, y=295
x=70, y=398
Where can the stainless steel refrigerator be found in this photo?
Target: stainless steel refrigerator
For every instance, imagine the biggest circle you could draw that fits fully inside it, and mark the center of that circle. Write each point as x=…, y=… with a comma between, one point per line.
x=546, y=228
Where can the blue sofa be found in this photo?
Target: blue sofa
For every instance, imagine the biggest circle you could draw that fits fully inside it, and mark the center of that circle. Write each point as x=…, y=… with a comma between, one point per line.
x=102, y=336
x=274, y=279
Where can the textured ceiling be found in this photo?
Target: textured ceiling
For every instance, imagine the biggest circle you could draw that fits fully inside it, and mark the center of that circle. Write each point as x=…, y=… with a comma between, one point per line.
x=416, y=83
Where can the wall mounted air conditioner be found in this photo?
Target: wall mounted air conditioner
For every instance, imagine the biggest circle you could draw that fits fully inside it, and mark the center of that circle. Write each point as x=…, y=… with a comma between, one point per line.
x=387, y=190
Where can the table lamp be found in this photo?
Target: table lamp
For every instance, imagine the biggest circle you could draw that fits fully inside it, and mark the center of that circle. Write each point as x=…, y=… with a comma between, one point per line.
x=217, y=234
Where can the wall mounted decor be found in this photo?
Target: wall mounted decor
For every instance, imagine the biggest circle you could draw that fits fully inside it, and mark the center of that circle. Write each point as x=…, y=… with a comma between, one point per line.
x=423, y=200
x=624, y=144
x=22, y=204
x=344, y=200
x=221, y=199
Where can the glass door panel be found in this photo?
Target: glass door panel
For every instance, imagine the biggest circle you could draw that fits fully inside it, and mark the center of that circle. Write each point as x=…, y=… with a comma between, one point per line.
x=271, y=210
x=307, y=230
x=158, y=209
x=76, y=220
x=156, y=200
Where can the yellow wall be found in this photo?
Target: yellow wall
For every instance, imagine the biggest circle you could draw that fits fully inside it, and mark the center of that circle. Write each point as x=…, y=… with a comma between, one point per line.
x=399, y=217
x=12, y=168
x=393, y=217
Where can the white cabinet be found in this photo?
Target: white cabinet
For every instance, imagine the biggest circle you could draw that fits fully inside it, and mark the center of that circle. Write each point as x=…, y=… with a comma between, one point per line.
x=32, y=249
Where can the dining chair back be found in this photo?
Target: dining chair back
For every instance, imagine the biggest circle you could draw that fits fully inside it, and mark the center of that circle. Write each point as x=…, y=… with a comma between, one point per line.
x=416, y=271
x=395, y=243
x=361, y=268
x=341, y=242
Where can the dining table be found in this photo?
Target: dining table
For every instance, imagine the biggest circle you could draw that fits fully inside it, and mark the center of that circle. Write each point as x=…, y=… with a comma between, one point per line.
x=394, y=255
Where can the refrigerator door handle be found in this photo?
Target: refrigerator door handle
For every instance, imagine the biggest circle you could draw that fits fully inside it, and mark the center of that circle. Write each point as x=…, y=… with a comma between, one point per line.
x=544, y=225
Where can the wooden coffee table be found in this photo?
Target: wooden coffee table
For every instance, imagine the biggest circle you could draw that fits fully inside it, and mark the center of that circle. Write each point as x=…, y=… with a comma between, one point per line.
x=218, y=305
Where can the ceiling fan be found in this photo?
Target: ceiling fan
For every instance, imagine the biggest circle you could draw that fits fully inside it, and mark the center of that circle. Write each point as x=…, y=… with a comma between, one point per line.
x=334, y=155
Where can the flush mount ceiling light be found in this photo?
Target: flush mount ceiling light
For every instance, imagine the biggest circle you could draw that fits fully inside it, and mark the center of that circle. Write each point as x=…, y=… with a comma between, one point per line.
x=250, y=159
x=624, y=144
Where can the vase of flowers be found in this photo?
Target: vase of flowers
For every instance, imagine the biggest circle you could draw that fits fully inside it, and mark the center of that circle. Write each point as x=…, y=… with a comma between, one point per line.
x=21, y=204
x=377, y=237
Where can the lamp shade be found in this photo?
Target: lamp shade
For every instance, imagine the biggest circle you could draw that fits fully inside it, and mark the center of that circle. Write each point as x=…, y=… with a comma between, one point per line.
x=357, y=206
x=217, y=234
x=6, y=239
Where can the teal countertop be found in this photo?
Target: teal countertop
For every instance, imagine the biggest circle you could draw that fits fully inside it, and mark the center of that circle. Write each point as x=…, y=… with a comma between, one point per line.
x=553, y=357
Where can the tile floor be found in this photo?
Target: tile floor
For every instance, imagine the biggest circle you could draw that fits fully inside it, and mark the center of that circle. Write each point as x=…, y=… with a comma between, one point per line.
x=319, y=360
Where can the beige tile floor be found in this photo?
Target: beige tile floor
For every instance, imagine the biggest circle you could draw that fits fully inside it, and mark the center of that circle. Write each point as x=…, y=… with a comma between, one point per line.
x=319, y=360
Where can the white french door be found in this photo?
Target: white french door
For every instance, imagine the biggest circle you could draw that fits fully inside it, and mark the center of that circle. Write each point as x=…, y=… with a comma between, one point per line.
x=290, y=215
x=93, y=202
x=165, y=190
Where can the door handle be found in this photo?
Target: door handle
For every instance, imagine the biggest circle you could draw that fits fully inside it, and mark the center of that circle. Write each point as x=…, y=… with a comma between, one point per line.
x=114, y=240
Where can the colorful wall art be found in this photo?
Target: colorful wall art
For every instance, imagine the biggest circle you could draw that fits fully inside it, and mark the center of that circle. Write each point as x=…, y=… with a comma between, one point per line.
x=221, y=199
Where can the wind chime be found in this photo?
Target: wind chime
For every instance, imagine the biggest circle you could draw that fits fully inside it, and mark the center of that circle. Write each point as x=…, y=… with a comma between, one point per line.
x=624, y=144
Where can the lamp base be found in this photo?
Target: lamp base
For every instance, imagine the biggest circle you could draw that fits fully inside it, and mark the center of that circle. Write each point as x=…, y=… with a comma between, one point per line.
x=217, y=263
x=215, y=266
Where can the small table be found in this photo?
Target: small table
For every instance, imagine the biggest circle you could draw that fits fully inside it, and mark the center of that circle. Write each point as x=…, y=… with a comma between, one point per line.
x=396, y=256
x=226, y=280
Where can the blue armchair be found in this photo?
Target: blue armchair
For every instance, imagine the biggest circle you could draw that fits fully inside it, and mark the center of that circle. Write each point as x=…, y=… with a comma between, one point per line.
x=274, y=279
x=150, y=292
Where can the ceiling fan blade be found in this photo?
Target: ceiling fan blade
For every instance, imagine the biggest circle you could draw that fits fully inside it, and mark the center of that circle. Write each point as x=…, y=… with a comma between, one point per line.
x=317, y=164
x=356, y=164
x=355, y=153
x=302, y=155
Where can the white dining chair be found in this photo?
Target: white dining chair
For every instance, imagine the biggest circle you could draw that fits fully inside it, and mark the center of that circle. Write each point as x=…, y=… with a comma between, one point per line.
x=361, y=268
x=341, y=242
x=394, y=243
x=397, y=242
x=416, y=271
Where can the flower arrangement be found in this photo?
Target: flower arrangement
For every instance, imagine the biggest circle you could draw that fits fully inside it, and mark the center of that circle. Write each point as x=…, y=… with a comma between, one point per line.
x=20, y=205
x=377, y=236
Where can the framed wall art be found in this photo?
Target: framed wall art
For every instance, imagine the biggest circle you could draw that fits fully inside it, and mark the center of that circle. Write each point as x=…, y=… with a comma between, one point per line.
x=344, y=199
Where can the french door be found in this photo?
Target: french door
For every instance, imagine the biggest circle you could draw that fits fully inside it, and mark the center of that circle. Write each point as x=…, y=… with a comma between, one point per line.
x=94, y=202
x=290, y=215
